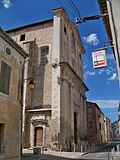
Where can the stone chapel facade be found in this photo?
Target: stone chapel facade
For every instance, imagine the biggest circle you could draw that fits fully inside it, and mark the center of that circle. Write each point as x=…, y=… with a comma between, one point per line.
x=55, y=110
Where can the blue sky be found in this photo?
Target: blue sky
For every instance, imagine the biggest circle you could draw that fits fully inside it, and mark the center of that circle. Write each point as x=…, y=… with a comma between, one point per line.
x=102, y=83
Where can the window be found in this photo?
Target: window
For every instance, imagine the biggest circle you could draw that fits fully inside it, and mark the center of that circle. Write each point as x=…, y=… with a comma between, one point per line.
x=1, y=138
x=90, y=110
x=5, y=71
x=99, y=113
x=75, y=128
x=90, y=125
x=22, y=37
x=44, y=52
x=65, y=31
x=73, y=42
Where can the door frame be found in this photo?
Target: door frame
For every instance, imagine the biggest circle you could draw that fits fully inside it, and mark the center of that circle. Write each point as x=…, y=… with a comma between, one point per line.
x=36, y=134
x=32, y=133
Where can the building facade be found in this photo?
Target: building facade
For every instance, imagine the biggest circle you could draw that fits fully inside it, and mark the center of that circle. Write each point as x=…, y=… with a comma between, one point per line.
x=108, y=130
x=115, y=130
x=102, y=128
x=11, y=68
x=55, y=111
x=95, y=127
x=112, y=24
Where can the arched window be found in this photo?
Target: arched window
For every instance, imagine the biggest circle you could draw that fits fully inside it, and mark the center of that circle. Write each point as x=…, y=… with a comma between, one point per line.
x=43, y=55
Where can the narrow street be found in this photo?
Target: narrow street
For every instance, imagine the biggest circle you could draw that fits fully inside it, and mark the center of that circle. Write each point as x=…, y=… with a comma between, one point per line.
x=103, y=153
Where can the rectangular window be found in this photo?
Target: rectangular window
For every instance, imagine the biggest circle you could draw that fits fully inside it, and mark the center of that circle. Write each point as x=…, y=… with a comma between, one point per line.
x=5, y=72
x=2, y=127
x=22, y=37
x=90, y=125
x=44, y=53
x=90, y=110
x=75, y=128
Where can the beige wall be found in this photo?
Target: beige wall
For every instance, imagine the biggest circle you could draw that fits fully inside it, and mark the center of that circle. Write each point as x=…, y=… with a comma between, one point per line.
x=96, y=128
x=62, y=87
x=10, y=104
x=102, y=128
x=69, y=93
x=43, y=36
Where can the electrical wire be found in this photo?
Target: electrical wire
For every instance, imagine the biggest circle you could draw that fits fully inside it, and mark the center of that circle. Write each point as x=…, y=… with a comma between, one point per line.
x=66, y=8
x=74, y=8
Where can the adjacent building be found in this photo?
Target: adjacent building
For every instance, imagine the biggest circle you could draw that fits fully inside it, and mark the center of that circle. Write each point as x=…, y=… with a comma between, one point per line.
x=12, y=59
x=115, y=130
x=102, y=128
x=108, y=129
x=95, y=127
x=112, y=25
x=55, y=110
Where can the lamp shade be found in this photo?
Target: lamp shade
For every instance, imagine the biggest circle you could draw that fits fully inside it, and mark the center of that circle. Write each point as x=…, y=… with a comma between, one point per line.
x=31, y=84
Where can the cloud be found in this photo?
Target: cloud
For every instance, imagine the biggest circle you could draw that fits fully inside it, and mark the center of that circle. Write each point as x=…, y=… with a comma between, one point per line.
x=88, y=73
x=110, y=56
x=113, y=77
x=92, y=39
x=6, y=3
x=107, y=71
x=107, y=103
x=85, y=66
x=101, y=71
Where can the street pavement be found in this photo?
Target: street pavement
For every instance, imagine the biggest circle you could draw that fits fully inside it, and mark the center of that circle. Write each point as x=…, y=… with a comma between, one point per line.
x=102, y=153
x=52, y=155
x=105, y=153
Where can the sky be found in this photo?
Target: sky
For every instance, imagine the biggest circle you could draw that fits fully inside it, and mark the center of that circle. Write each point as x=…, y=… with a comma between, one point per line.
x=103, y=83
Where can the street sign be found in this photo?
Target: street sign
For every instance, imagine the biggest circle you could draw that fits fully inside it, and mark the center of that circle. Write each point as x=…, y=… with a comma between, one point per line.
x=99, y=59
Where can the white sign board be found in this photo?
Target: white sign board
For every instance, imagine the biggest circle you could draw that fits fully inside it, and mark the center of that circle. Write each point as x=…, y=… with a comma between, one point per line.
x=99, y=59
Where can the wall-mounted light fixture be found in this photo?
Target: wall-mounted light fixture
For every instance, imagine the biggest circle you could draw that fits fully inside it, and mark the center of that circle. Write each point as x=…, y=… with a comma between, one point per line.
x=85, y=19
x=31, y=84
x=55, y=65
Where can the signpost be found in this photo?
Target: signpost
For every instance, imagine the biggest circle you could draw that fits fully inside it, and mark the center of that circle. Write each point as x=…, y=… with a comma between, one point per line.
x=99, y=59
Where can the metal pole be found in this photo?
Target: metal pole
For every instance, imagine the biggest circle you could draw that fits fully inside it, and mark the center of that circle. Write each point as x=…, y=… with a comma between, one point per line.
x=60, y=151
x=21, y=111
x=108, y=156
x=81, y=148
x=74, y=148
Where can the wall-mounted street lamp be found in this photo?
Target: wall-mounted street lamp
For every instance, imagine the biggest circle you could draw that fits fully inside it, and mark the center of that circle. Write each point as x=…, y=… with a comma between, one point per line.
x=31, y=84
x=85, y=19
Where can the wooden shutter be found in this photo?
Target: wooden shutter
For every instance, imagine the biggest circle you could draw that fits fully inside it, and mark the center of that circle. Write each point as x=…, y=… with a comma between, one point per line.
x=5, y=78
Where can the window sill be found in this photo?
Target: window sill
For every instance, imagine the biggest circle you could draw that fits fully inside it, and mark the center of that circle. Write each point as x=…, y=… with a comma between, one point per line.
x=4, y=95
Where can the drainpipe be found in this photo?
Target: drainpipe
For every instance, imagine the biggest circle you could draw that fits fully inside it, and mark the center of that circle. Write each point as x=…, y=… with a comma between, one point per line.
x=21, y=109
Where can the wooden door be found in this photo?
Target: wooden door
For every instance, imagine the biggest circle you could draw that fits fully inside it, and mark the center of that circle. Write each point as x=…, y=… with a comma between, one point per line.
x=38, y=138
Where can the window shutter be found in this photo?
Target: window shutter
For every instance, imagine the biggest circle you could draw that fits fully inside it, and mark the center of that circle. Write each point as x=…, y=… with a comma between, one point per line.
x=5, y=78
